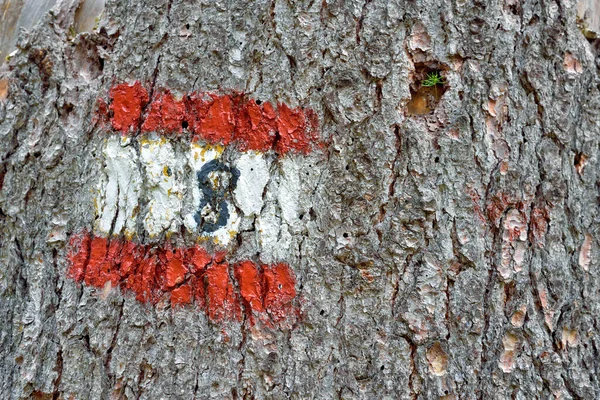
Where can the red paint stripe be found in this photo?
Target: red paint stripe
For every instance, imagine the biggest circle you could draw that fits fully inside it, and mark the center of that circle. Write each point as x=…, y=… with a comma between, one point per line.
x=186, y=276
x=216, y=119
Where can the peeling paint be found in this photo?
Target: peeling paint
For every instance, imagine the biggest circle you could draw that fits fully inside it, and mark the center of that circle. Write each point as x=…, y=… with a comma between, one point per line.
x=254, y=175
x=289, y=187
x=164, y=184
x=216, y=119
x=118, y=198
x=187, y=275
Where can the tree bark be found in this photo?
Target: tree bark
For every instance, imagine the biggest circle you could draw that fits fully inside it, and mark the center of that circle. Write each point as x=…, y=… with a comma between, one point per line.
x=446, y=241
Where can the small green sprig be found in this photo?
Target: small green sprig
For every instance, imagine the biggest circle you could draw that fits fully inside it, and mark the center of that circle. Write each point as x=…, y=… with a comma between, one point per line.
x=433, y=79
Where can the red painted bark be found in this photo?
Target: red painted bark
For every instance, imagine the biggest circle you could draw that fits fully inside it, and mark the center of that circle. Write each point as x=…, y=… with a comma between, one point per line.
x=147, y=283
x=127, y=102
x=251, y=286
x=197, y=259
x=93, y=272
x=166, y=114
x=280, y=291
x=182, y=295
x=291, y=125
x=78, y=256
x=197, y=105
x=222, y=300
x=255, y=127
x=189, y=275
x=218, y=124
x=175, y=270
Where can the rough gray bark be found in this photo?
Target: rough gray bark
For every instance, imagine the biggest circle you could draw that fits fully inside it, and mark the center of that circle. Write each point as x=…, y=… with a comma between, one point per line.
x=452, y=254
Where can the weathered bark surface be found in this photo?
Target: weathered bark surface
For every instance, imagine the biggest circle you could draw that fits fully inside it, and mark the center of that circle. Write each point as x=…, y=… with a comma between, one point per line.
x=447, y=255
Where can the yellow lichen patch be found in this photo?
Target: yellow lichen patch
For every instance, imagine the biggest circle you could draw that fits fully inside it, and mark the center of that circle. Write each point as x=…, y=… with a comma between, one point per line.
x=438, y=360
x=206, y=151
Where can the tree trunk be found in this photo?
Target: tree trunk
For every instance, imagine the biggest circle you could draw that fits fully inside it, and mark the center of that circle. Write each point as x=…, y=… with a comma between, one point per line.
x=383, y=239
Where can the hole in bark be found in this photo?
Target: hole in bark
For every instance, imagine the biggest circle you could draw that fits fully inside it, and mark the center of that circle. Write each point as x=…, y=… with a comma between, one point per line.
x=184, y=124
x=382, y=367
x=187, y=26
x=259, y=102
x=322, y=312
x=301, y=216
x=437, y=159
x=425, y=94
x=345, y=234
x=580, y=161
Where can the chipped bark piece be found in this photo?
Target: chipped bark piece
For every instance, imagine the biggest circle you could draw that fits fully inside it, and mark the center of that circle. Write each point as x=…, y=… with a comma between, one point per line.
x=585, y=253
x=438, y=360
x=507, y=359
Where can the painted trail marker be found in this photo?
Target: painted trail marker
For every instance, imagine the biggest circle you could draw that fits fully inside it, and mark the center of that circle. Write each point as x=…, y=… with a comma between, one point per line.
x=200, y=168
